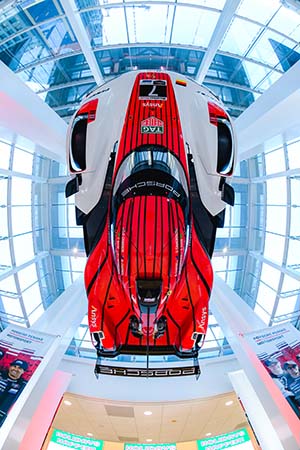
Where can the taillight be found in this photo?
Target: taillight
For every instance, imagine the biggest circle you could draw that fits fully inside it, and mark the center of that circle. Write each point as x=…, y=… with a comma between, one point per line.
x=215, y=112
x=89, y=109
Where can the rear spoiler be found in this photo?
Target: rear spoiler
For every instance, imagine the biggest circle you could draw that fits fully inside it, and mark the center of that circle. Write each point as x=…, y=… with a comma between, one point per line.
x=147, y=372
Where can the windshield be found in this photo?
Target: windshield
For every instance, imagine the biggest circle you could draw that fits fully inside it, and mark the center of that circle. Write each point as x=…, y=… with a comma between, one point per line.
x=152, y=159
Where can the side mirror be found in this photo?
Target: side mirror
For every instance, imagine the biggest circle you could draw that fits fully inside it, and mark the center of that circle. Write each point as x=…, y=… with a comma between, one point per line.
x=72, y=186
x=228, y=194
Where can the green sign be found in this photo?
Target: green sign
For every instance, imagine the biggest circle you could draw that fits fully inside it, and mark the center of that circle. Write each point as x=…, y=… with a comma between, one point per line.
x=63, y=439
x=152, y=130
x=150, y=447
x=238, y=439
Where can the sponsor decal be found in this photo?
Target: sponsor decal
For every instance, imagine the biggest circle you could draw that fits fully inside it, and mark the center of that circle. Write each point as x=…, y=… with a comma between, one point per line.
x=152, y=105
x=152, y=125
x=148, y=373
x=93, y=316
x=203, y=317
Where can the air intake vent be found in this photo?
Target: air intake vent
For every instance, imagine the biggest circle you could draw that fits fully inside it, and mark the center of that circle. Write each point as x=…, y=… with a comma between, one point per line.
x=119, y=411
x=129, y=439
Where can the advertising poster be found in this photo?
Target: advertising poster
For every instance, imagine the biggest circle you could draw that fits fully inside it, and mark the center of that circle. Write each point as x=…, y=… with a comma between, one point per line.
x=61, y=440
x=150, y=447
x=278, y=348
x=239, y=440
x=21, y=352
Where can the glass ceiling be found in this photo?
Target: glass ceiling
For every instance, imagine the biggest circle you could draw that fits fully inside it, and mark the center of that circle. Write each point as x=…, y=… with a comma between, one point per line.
x=59, y=49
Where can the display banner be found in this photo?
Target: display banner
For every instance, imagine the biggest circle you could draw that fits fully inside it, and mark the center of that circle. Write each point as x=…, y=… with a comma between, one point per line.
x=239, y=440
x=149, y=446
x=278, y=348
x=21, y=352
x=62, y=440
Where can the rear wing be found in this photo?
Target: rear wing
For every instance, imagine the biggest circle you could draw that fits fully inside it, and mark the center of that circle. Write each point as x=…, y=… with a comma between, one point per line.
x=147, y=372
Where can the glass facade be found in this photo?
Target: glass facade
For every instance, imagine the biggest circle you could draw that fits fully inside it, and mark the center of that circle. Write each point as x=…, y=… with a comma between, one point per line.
x=42, y=44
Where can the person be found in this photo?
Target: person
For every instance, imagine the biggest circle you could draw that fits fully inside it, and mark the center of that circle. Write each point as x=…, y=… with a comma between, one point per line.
x=11, y=386
x=293, y=379
x=278, y=375
x=292, y=370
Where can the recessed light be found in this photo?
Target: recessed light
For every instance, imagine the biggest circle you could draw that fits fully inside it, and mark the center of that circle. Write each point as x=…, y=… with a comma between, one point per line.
x=148, y=440
x=229, y=403
x=208, y=434
x=148, y=413
x=89, y=434
x=67, y=402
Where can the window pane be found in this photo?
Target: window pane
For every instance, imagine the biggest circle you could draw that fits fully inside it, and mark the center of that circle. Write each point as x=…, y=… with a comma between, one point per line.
x=276, y=191
x=274, y=246
x=21, y=191
x=12, y=306
x=239, y=37
x=276, y=219
x=21, y=219
x=270, y=276
x=4, y=155
x=27, y=276
x=293, y=155
x=22, y=161
x=275, y=161
x=32, y=298
x=23, y=246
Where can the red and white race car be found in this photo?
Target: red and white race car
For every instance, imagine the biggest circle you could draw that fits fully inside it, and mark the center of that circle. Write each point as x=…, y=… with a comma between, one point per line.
x=151, y=152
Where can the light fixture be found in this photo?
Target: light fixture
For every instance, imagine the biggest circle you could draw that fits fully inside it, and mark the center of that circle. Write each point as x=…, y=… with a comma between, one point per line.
x=225, y=250
x=148, y=413
x=67, y=402
x=229, y=403
x=208, y=434
x=148, y=440
x=75, y=250
x=89, y=434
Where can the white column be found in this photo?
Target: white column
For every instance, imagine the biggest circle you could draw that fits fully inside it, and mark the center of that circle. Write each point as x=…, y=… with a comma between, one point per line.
x=275, y=113
x=81, y=34
x=61, y=319
x=25, y=114
x=236, y=318
x=222, y=26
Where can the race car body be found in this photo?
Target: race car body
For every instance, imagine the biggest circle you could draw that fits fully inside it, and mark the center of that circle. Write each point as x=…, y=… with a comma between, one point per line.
x=151, y=152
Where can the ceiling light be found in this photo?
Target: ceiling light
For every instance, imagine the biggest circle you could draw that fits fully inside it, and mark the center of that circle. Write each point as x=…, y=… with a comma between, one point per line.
x=89, y=434
x=229, y=403
x=67, y=402
x=148, y=413
x=148, y=440
x=208, y=434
